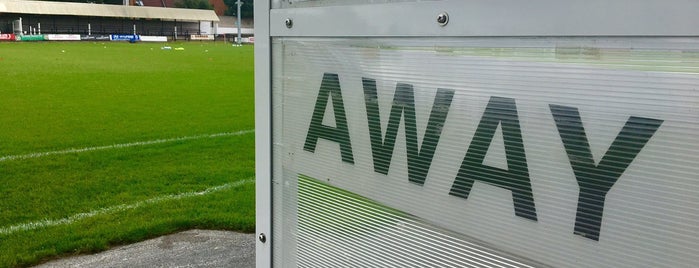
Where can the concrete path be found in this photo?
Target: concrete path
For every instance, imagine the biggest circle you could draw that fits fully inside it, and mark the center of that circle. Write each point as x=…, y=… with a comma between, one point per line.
x=193, y=248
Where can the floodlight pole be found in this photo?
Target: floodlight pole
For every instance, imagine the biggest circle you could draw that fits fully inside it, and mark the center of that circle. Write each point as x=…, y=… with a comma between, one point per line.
x=239, y=4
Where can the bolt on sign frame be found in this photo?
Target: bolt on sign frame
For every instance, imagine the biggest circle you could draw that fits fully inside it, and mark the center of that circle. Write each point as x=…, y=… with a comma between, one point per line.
x=483, y=133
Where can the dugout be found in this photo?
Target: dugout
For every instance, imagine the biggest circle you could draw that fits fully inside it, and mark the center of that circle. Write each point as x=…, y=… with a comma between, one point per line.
x=480, y=133
x=41, y=17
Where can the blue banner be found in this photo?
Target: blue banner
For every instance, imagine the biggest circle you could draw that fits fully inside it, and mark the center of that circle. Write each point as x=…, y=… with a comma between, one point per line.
x=125, y=37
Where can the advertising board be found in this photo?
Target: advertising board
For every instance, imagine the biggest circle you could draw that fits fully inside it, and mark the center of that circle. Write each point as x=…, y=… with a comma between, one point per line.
x=37, y=37
x=145, y=38
x=124, y=37
x=7, y=37
x=95, y=37
x=201, y=37
x=62, y=37
x=429, y=141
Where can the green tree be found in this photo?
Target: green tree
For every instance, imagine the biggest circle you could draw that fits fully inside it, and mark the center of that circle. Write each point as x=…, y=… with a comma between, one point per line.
x=246, y=10
x=194, y=4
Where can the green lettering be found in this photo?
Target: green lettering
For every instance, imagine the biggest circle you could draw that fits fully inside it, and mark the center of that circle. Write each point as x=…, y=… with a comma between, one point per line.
x=419, y=160
x=330, y=88
x=595, y=181
x=499, y=111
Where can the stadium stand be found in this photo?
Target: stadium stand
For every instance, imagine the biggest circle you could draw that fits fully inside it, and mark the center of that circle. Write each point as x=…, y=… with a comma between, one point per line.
x=42, y=17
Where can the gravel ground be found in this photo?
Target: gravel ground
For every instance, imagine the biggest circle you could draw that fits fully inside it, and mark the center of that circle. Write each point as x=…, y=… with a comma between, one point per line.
x=193, y=248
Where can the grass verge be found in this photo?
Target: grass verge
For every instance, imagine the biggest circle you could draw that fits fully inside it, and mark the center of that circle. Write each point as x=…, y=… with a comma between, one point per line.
x=62, y=96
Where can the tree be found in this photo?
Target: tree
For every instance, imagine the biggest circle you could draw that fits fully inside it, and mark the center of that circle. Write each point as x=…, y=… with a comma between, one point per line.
x=246, y=10
x=194, y=4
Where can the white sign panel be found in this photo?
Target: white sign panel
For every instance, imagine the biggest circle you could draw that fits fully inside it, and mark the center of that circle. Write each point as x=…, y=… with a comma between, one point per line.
x=201, y=37
x=63, y=37
x=146, y=38
x=553, y=151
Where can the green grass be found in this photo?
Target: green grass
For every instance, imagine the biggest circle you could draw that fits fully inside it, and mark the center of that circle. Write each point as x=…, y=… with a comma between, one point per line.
x=57, y=96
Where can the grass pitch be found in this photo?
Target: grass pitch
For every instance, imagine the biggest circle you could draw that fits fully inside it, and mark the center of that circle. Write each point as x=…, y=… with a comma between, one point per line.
x=105, y=143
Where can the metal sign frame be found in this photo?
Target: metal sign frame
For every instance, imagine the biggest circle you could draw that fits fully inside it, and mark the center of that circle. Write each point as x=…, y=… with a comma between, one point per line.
x=263, y=135
x=479, y=18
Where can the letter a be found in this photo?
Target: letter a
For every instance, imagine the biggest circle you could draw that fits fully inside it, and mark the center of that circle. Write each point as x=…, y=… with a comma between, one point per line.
x=516, y=178
x=330, y=87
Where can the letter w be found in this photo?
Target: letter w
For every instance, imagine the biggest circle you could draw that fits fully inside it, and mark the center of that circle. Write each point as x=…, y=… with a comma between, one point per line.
x=419, y=161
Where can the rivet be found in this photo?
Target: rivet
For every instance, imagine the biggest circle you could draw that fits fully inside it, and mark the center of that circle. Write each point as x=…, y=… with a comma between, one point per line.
x=289, y=23
x=443, y=19
x=262, y=237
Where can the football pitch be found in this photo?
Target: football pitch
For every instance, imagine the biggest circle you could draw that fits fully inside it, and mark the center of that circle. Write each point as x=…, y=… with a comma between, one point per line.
x=105, y=143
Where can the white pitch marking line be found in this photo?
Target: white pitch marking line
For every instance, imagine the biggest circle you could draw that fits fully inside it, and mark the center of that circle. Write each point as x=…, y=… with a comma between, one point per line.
x=118, y=208
x=122, y=145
